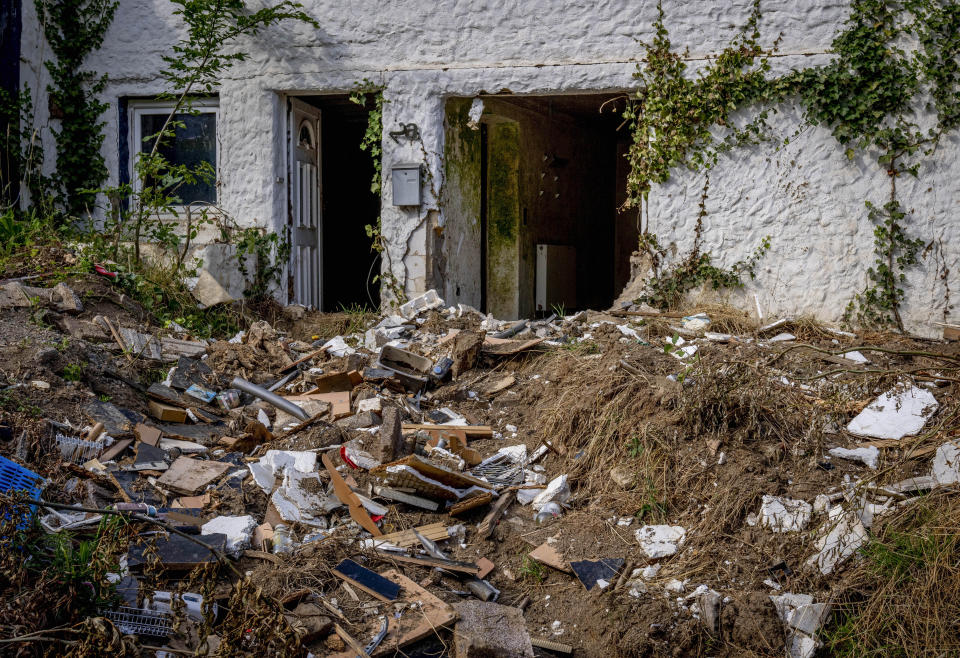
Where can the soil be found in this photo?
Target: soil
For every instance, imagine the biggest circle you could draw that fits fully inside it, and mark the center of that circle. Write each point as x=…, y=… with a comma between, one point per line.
x=705, y=445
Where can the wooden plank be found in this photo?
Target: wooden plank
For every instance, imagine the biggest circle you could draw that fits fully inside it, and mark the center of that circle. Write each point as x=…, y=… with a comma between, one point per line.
x=432, y=616
x=471, y=503
x=485, y=527
x=339, y=401
x=187, y=475
x=115, y=450
x=548, y=555
x=348, y=498
x=356, y=649
x=427, y=561
x=472, y=431
x=406, y=538
x=166, y=412
x=507, y=347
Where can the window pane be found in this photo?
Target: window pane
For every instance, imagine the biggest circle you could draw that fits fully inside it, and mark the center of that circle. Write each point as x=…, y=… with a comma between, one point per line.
x=194, y=143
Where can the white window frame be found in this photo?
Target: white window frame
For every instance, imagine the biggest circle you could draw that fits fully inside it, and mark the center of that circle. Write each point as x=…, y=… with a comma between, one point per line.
x=139, y=108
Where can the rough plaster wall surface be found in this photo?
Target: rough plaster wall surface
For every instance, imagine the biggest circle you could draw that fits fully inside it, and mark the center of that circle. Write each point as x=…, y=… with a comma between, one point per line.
x=425, y=52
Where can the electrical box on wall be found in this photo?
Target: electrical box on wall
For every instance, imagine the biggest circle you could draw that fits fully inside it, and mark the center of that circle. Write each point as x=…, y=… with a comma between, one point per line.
x=406, y=184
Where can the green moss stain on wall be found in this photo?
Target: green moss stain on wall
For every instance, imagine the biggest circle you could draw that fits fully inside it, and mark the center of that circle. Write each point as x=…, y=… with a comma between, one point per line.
x=503, y=218
x=461, y=274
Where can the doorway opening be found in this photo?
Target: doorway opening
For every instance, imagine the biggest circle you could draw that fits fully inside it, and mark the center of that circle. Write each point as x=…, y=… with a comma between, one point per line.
x=330, y=205
x=535, y=187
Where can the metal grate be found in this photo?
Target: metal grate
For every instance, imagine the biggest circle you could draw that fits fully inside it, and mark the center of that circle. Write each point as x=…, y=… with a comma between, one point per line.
x=499, y=470
x=134, y=621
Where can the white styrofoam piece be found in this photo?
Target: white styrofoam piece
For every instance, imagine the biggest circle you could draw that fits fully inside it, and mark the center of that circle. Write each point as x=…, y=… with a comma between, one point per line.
x=895, y=414
x=784, y=514
x=869, y=455
x=657, y=541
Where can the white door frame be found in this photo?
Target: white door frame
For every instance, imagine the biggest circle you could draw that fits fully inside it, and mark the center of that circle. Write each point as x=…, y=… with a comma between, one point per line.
x=304, y=203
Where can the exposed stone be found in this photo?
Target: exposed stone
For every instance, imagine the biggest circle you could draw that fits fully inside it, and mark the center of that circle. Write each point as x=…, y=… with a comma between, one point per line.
x=391, y=445
x=359, y=421
x=623, y=476
x=83, y=329
x=465, y=351
x=208, y=291
x=65, y=299
x=490, y=629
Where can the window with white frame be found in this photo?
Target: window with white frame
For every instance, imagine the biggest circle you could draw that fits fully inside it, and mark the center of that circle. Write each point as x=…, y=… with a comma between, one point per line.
x=194, y=142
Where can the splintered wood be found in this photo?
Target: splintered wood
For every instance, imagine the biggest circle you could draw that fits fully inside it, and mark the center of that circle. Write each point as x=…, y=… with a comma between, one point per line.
x=406, y=538
x=428, y=617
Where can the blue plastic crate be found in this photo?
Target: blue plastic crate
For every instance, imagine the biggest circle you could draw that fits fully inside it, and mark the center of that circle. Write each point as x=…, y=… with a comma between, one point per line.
x=15, y=477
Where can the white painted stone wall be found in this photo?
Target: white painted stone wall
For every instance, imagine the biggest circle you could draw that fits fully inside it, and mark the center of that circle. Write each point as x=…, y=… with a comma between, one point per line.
x=808, y=196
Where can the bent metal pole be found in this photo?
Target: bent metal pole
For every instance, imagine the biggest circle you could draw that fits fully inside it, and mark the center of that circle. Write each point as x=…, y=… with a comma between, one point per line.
x=275, y=400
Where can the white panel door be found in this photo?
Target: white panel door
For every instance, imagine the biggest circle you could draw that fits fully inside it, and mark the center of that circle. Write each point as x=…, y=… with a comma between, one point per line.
x=305, y=239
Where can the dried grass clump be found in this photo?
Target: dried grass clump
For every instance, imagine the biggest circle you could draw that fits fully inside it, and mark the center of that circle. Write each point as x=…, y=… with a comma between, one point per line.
x=903, y=599
x=736, y=400
x=603, y=416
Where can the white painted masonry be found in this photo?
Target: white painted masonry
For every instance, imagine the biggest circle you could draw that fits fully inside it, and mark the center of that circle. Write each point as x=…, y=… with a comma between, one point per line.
x=807, y=196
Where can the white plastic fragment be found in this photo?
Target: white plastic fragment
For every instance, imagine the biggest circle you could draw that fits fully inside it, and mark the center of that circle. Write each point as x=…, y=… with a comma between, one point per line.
x=238, y=529
x=895, y=414
x=845, y=533
x=946, y=464
x=679, y=348
x=855, y=356
x=783, y=337
x=869, y=455
x=784, y=514
x=263, y=418
x=558, y=491
x=338, y=347
x=697, y=322
x=657, y=541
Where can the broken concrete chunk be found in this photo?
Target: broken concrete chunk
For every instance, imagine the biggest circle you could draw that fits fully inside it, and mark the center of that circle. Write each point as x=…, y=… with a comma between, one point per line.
x=238, y=529
x=360, y=421
x=946, y=464
x=869, y=455
x=844, y=534
x=490, y=629
x=391, y=444
x=658, y=541
x=895, y=414
x=784, y=514
x=425, y=302
x=803, y=619
x=65, y=299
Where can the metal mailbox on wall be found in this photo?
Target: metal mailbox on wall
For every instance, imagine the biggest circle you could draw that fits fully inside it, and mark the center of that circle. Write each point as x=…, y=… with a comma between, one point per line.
x=406, y=184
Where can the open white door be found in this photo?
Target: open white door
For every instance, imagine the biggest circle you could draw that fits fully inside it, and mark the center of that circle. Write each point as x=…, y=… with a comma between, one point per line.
x=305, y=238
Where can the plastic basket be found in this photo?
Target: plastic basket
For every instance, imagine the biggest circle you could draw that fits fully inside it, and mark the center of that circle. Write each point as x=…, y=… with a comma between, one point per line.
x=135, y=621
x=14, y=477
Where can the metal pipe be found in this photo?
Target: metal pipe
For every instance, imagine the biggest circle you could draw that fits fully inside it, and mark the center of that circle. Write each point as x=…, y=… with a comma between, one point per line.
x=275, y=400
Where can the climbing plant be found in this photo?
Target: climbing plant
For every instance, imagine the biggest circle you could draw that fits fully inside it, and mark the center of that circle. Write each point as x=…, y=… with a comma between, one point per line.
x=674, y=121
x=868, y=96
x=369, y=96
x=198, y=63
x=74, y=29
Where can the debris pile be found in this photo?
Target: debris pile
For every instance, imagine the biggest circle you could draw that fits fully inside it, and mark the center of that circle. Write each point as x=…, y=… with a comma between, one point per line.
x=500, y=488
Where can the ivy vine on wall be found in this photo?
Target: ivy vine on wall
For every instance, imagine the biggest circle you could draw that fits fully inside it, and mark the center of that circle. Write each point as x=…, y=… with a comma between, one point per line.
x=869, y=96
x=74, y=29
